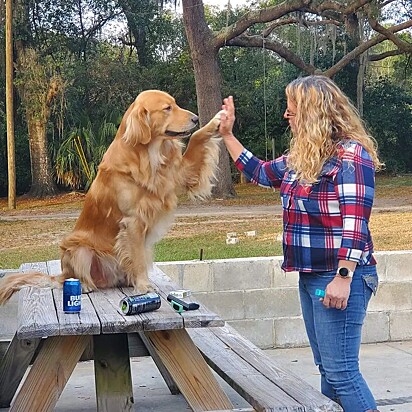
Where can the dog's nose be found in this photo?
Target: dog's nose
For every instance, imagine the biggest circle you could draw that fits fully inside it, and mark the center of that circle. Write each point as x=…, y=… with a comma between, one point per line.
x=195, y=119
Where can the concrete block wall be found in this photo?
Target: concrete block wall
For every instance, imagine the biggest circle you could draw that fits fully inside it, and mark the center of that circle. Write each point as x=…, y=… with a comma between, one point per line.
x=261, y=301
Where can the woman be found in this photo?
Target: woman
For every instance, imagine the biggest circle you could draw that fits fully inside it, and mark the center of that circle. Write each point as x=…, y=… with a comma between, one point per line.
x=326, y=185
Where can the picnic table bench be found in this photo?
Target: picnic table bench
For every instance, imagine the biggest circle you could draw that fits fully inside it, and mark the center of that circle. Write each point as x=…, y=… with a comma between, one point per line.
x=55, y=342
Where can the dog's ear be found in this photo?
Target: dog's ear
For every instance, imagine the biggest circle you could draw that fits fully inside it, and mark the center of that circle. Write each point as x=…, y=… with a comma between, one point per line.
x=137, y=129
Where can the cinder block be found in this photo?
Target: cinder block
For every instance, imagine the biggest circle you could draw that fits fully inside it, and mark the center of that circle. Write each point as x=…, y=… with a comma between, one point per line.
x=376, y=327
x=400, y=325
x=231, y=234
x=174, y=270
x=392, y=297
x=398, y=266
x=381, y=259
x=290, y=332
x=8, y=318
x=232, y=241
x=272, y=303
x=241, y=274
x=250, y=233
x=282, y=278
x=258, y=331
x=197, y=276
x=228, y=305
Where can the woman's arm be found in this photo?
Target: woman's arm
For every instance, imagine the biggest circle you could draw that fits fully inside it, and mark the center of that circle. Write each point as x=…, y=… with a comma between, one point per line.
x=265, y=174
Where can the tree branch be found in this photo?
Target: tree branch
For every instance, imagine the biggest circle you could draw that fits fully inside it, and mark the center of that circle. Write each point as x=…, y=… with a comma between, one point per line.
x=363, y=47
x=381, y=56
x=278, y=48
x=252, y=17
x=269, y=14
x=292, y=20
x=402, y=45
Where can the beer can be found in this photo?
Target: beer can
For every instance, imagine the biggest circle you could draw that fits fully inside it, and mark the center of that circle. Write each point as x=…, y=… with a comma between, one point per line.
x=72, y=296
x=131, y=305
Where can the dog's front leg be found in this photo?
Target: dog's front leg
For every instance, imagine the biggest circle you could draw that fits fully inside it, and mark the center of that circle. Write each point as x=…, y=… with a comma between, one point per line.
x=131, y=254
x=201, y=158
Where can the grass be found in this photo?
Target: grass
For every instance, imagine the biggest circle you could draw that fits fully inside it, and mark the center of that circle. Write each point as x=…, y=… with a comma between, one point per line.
x=36, y=240
x=190, y=238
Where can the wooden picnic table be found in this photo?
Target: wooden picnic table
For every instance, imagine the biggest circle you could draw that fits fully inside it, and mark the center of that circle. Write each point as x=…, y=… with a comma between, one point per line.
x=64, y=337
x=179, y=343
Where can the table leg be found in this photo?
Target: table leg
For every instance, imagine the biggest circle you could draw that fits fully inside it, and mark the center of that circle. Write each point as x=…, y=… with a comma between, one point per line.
x=189, y=370
x=114, y=390
x=13, y=366
x=171, y=384
x=49, y=374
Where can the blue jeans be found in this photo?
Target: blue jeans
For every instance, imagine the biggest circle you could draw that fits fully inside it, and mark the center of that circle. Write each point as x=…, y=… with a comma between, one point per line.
x=335, y=336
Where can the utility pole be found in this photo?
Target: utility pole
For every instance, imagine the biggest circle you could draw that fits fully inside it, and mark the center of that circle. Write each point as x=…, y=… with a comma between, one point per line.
x=9, y=107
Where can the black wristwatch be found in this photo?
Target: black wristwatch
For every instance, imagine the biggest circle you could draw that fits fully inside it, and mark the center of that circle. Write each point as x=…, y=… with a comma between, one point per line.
x=344, y=273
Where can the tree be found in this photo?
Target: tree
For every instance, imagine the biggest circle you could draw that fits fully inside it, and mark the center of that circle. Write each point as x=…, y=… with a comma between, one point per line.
x=37, y=90
x=258, y=28
x=9, y=108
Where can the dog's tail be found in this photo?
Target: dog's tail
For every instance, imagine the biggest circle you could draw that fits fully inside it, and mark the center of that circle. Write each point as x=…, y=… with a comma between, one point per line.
x=15, y=282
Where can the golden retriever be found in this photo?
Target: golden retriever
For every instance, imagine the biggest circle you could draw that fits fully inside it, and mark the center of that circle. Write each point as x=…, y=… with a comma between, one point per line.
x=131, y=203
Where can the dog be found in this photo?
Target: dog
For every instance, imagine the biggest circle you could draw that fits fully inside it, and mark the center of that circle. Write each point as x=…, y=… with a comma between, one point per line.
x=131, y=202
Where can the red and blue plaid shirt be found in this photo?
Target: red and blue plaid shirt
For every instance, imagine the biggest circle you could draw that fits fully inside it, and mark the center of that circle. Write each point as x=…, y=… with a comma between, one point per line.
x=328, y=220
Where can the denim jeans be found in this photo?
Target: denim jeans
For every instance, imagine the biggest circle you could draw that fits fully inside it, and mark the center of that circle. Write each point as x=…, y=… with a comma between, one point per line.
x=335, y=336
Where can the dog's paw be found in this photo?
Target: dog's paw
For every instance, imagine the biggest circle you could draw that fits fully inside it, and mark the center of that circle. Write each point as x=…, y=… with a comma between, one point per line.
x=219, y=115
x=213, y=126
x=142, y=288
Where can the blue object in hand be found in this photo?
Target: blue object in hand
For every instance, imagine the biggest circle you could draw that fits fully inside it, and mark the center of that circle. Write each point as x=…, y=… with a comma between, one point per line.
x=320, y=293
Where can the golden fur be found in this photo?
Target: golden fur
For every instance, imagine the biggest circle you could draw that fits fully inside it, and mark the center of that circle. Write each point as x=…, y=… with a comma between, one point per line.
x=131, y=202
x=325, y=116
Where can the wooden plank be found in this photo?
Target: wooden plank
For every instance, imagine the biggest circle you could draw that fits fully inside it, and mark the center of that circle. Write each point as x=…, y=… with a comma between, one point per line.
x=164, y=318
x=106, y=304
x=36, y=316
x=49, y=374
x=286, y=380
x=236, y=410
x=171, y=384
x=202, y=317
x=136, y=348
x=85, y=322
x=189, y=370
x=255, y=388
x=13, y=366
x=114, y=389
x=54, y=267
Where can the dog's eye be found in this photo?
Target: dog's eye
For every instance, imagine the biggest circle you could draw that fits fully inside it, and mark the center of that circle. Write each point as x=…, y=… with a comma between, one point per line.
x=168, y=108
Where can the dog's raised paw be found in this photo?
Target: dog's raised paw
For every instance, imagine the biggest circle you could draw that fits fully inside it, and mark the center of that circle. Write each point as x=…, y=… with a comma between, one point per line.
x=219, y=114
x=213, y=125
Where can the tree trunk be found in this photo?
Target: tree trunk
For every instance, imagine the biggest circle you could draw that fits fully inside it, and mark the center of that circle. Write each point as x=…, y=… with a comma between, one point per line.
x=352, y=69
x=42, y=178
x=208, y=84
x=37, y=102
x=11, y=164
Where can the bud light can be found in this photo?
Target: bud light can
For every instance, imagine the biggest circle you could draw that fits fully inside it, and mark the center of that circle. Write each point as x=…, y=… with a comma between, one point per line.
x=131, y=305
x=72, y=296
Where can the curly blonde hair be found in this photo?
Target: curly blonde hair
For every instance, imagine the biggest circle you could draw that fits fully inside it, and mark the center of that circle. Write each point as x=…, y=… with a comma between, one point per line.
x=324, y=117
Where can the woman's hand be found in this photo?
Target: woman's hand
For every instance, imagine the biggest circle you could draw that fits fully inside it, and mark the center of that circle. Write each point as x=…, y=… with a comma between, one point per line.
x=337, y=293
x=227, y=118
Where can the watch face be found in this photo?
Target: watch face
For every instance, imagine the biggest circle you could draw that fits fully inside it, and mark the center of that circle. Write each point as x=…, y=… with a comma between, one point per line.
x=343, y=272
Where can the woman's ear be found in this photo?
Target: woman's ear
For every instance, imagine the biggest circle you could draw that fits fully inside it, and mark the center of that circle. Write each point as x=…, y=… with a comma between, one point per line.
x=137, y=126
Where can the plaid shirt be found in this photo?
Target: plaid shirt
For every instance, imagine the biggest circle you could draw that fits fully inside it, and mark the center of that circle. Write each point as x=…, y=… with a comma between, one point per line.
x=326, y=221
